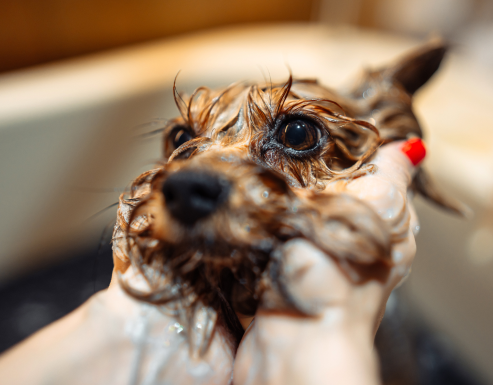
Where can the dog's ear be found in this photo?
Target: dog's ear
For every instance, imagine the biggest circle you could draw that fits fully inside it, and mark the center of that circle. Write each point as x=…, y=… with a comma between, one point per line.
x=416, y=68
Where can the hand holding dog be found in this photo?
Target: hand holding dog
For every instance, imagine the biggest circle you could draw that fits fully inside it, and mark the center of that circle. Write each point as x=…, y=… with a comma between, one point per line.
x=337, y=344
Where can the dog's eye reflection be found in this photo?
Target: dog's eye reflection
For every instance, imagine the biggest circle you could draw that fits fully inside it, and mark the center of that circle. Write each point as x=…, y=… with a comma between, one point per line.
x=181, y=137
x=299, y=135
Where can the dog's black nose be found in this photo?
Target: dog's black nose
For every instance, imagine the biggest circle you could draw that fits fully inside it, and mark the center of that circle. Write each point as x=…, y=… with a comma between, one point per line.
x=193, y=195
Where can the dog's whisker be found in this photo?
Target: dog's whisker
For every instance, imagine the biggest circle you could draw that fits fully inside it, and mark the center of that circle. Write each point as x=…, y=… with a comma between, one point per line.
x=98, y=213
x=149, y=134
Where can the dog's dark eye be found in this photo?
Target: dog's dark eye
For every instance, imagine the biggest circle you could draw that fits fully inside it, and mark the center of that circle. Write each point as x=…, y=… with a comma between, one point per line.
x=182, y=136
x=176, y=136
x=299, y=135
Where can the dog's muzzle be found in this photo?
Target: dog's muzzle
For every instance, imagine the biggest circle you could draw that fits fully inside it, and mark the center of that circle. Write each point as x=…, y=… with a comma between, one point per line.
x=194, y=195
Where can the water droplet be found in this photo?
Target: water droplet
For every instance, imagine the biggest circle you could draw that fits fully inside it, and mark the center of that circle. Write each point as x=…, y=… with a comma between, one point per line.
x=397, y=256
x=153, y=243
x=176, y=326
x=389, y=214
x=416, y=229
x=368, y=93
x=265, y=194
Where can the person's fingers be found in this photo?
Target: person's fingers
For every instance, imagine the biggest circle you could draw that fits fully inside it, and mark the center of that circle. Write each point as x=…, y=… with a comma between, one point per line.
x=312, y=277
x=395, y=165
x=397, y=161
x=386, y=188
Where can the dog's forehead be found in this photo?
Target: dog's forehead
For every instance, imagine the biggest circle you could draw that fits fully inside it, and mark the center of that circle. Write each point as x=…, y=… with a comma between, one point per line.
x=211, y=111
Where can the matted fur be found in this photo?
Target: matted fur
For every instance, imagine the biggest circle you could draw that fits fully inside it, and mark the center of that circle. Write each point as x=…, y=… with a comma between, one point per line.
x=227, y=260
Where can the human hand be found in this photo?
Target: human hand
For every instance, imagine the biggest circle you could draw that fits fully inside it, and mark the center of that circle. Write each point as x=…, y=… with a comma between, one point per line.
x=115, y=339
x=335, y=346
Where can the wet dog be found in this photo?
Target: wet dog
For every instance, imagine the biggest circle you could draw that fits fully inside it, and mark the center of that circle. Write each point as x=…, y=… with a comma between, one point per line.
x=244, y=170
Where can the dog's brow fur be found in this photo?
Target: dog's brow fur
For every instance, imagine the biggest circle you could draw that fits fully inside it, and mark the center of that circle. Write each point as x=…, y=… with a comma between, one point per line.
x=246, y=117
x=228, y=260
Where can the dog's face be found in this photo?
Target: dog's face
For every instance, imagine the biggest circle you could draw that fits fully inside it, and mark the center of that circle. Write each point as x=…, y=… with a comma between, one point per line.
x=245, y=170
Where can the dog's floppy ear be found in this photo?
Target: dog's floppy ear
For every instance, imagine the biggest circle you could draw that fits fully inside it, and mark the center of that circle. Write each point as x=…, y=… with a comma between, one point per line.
x=416, y=68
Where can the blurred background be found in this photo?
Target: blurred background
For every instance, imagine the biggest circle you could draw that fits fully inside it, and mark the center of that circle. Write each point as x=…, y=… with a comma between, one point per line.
x=78, y=79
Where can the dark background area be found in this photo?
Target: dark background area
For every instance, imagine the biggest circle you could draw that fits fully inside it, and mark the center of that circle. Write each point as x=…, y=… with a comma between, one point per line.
x=37, y=299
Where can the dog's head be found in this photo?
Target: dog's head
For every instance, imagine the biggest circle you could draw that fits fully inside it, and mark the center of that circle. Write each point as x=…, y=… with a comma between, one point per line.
x=245, y=170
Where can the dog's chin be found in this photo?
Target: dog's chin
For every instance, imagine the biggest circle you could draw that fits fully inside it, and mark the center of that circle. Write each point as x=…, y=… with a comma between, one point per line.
x=218, y=252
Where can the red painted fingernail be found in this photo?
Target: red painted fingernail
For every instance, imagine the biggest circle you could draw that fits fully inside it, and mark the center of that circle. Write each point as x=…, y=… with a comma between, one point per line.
x=415, y=150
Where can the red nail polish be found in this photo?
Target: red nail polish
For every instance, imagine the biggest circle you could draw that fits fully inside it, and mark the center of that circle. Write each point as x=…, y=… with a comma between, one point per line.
x=415, y=150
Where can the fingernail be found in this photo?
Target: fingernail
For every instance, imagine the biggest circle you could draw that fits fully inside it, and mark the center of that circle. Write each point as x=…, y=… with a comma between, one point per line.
x=415, y=150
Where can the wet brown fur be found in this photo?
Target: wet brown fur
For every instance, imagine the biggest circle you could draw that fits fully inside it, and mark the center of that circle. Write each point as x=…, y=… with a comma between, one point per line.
x=226, y=261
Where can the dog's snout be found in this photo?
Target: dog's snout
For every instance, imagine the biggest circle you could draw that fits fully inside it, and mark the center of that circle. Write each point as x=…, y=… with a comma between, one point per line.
x=193, y=195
